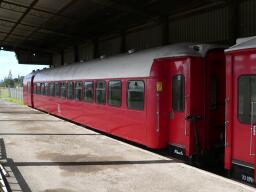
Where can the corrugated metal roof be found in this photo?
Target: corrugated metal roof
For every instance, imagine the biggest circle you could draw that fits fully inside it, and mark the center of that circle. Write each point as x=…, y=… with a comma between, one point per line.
x=44, y=24
x=137, y=64
x=243, y=43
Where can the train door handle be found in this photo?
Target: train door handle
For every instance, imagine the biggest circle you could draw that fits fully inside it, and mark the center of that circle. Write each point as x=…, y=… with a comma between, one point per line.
x=254, y=130
x=253, y=133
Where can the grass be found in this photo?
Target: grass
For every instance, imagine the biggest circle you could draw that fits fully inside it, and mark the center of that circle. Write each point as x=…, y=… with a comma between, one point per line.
x=5, y=96
x=20, y=102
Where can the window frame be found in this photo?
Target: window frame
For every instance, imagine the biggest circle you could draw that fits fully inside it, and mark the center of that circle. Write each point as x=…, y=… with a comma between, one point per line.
x=93, y=91
x=73, y=91
x=59, y=89
x=95, y=98
x=46, y=88
x=34, y=88
x=28, y=88
x=51, y=93
x=144, y=95
x=183, y=85
x=42, y=89
x=121, y=96
x=237, y=102
x=75, y=88
x=38, y=88
x=62, y=82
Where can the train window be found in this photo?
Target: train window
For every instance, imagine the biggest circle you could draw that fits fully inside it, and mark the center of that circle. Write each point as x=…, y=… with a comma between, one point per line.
x=114, y=93
x=70, y=90
x=246, y=95
x=101, y=92
x=88, y=91
x=135, y=95
x=46, y=89
x=178, y=93
x=28, y=87
x=42, y=89
x=78, y=95
x=57, y=89
x=63, y=90
x=52, y=89
x=34, y=89
x=38, y=88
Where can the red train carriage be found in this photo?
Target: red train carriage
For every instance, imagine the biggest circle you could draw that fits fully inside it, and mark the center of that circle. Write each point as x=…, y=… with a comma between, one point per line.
x=28, y=89
x=168, y=96
x=240, y=145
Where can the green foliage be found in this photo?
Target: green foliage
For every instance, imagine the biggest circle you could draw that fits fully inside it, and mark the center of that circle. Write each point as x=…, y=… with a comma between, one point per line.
x=13, y=100
x=9, y=81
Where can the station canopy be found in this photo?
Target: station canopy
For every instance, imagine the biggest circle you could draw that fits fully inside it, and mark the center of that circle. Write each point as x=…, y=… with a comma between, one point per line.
x=49, y=25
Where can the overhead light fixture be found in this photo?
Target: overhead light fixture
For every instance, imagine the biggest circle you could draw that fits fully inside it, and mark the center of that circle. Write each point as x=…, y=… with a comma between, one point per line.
x=34, y=54
x=2, y=48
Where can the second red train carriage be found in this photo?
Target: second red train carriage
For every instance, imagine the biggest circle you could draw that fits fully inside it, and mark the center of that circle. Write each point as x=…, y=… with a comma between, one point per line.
x=240, y=150
x=168, y=96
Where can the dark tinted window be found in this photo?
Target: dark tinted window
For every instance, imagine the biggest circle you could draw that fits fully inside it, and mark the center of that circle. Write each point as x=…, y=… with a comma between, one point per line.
x=28, y=87
x=46, y=89
x=38, y=88
x=57, y=89
x=42, y=89
x=34, y=88
x=52, y=89
x=114, y=93
x=178, y=93
x=246, y=95
x=70, y=90
x=63, y=90
x=88, y=91
x=101, y=92
x=135, y=95
x=79, y=90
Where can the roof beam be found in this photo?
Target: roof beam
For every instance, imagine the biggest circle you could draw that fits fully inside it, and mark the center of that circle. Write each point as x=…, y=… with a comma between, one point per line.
x=187, y=10
x=125, y=8
x=36, y=9
x=14, y=46
x=58, y=12
x=45, y=30
x=20, y=19
x=196, y=8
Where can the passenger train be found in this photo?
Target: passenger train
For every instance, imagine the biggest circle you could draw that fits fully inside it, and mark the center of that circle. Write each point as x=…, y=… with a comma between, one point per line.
x=170, y=97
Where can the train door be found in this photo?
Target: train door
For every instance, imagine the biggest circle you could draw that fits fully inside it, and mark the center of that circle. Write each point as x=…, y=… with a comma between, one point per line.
x=215, y=104
x=244, y=120
x=186, y=106
x=28, y=93
x=30, y=87
x=178, y=130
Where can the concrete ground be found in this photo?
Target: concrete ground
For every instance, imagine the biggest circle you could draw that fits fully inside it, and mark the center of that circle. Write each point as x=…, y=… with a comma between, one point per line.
x=44, y=153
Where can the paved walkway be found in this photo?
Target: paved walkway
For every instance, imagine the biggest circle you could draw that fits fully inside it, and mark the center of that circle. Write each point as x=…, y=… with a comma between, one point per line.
x=44, y=153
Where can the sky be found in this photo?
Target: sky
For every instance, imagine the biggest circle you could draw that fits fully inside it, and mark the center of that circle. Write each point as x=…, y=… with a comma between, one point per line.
x=9, y=62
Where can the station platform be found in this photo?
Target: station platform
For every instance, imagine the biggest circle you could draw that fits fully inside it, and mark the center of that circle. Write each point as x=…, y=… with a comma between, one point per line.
x=44, y=153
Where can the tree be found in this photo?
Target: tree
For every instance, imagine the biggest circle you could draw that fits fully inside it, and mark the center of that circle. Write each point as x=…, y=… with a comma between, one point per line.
x=8, y=81
x=9, y=75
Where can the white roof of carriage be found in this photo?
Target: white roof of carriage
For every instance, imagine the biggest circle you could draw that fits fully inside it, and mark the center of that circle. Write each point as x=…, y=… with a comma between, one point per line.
x=243, y=43
x=137, y=64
